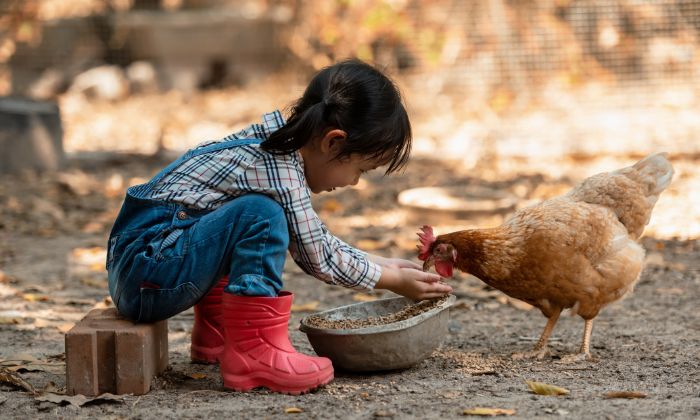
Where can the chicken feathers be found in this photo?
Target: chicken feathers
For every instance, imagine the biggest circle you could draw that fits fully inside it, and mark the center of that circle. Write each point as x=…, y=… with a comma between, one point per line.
x=577, y=251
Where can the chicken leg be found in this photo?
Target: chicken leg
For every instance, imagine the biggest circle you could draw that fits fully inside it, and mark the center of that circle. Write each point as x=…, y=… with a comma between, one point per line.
x=540, y=350
x=584, y=352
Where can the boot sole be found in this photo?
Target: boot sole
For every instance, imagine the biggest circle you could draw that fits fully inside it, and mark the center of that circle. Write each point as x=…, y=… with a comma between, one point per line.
x=206, y=355
x=245, y=383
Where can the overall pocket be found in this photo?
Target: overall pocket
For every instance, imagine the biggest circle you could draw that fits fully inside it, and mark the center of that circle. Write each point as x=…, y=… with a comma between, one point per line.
x=158, y=304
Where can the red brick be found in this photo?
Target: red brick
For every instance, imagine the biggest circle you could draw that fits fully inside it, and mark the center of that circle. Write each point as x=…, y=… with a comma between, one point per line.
x=106, y=352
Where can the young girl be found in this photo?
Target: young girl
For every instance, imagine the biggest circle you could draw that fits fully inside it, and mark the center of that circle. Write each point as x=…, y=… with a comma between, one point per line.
x=212, y=229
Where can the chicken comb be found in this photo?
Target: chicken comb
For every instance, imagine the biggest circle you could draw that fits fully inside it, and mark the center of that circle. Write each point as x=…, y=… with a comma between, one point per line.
x=427, y=237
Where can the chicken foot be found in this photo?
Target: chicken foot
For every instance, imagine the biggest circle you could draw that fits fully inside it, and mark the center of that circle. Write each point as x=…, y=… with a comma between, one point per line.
x=584, y=352
x=540, y=350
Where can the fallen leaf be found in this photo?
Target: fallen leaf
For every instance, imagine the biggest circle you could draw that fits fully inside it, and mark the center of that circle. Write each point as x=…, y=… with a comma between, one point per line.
x=8, y=320
x=363, y=297
x=306, y=307
x=624, y=394
x=19, y=358
x=13, y=378
x=293, y=410
x=485, y=411
x=28, y=363
x=546, y=389
x=197, y=375
x=32, y=297
x=78, y=400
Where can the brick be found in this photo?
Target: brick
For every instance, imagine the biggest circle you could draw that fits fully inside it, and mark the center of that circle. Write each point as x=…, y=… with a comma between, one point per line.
x=106, y=352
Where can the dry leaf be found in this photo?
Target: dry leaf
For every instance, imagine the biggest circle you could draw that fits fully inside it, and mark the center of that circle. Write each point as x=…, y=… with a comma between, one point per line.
x=13, y=378
x=78, y=400
x=624, y=394
x=363, y=297
x=32, y=297
x=56, y=368
x=485, y=411
x=28, y=363
x=306, y=307
x=293, y=410
x=18, y=359
x=546, y=389
x=8, y=320
x=197, y=375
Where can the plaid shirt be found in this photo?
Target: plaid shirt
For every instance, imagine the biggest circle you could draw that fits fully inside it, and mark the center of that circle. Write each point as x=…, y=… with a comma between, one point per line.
x=211, y=179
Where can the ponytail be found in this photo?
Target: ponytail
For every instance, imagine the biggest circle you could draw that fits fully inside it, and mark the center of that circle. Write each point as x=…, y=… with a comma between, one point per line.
x=356, y=98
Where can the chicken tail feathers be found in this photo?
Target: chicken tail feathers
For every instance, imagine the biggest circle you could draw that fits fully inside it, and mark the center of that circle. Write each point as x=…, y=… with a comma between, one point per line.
x=654, y=172
x=630, y=192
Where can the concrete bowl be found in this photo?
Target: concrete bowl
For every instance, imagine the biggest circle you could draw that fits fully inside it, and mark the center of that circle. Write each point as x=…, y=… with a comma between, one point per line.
x=381, y=347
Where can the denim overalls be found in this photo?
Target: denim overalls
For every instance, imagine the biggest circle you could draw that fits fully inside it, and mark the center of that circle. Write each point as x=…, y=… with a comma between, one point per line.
x=163, y=257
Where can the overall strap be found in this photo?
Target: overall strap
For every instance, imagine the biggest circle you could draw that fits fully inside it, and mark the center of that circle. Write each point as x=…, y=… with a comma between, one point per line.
x=139, y=190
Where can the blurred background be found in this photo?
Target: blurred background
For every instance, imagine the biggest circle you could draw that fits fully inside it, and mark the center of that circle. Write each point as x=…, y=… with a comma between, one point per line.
x=511, y=101
x=522, y=98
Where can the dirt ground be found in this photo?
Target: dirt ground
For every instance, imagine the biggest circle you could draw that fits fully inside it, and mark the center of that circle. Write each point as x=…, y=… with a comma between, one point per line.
x=53, y=229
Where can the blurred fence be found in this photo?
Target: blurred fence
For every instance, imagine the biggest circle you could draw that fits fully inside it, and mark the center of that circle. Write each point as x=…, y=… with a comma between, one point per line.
x=507, y=47
x=474, y=70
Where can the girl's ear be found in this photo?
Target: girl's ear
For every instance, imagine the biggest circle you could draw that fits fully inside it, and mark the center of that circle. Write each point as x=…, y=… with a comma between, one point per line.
x=332, y=142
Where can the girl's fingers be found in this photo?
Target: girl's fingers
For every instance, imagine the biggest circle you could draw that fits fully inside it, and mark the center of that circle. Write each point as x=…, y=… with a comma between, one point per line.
x=440, y=288
x=432, y=295
x=412, y=264
x=431, y=278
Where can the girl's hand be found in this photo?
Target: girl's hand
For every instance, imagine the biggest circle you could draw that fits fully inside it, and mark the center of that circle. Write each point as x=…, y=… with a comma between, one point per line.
x=412, y=283
x=394, y=262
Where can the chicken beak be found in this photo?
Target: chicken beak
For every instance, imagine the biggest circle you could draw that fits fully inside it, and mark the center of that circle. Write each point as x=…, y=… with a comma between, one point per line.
x=430, y=262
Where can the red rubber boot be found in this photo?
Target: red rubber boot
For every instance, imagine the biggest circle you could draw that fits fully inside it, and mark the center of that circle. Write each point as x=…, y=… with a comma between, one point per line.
x=257, y=351
x=207, y=333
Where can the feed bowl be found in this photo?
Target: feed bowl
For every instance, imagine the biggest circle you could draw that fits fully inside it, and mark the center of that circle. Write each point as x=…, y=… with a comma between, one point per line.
x=391, y=346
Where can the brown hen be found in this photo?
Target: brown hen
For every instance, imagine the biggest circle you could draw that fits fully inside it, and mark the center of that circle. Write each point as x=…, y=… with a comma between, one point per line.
x=577, y=251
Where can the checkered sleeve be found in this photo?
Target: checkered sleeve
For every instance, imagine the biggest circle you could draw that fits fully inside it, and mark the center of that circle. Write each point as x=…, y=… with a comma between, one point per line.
x=312, y=246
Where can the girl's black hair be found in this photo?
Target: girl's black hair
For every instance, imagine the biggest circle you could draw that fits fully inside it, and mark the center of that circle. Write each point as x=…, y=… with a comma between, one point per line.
x=357, y=98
